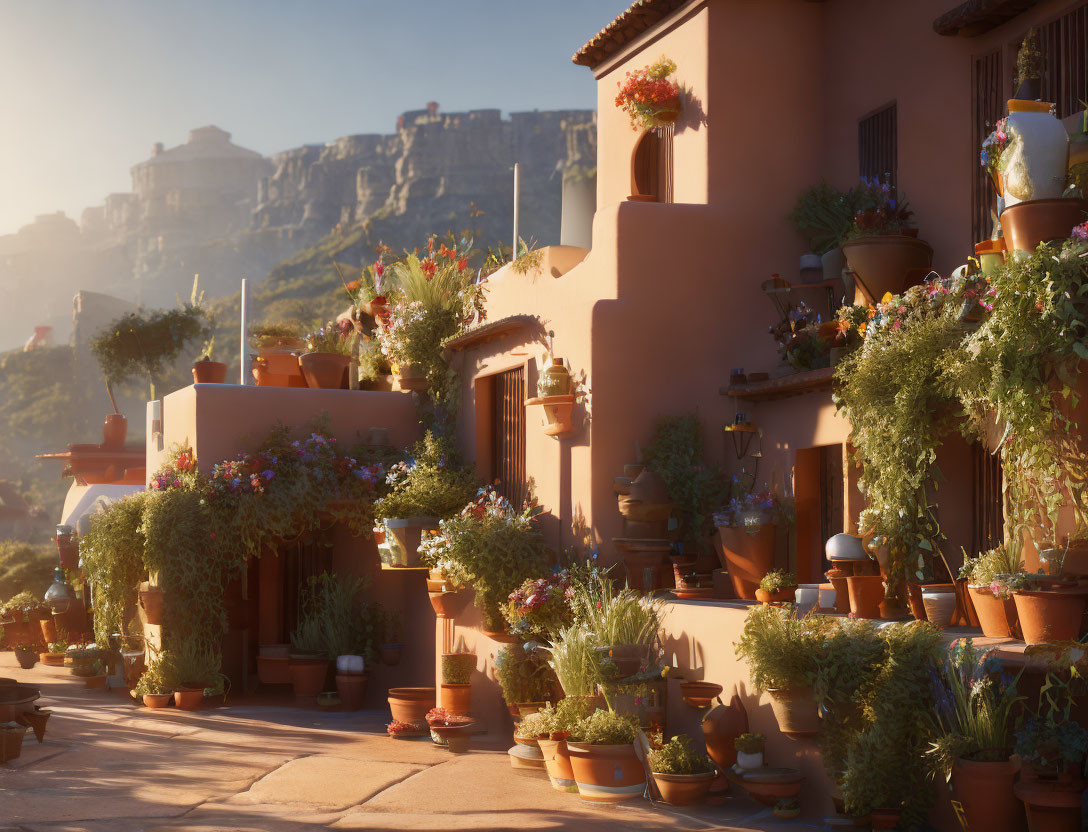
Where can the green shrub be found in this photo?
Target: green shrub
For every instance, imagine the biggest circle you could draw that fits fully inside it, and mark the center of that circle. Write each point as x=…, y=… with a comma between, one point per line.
x=606, y=728
x=432, y=483
x=781, y=650
x=457, y=668
x=562, y=717
x=26, y=567
x=523, y=676
x=776, y=580
x=679, y=756
x=750, y=743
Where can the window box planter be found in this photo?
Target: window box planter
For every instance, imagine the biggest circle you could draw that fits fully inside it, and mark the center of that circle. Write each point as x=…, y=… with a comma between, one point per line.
x=558, y=411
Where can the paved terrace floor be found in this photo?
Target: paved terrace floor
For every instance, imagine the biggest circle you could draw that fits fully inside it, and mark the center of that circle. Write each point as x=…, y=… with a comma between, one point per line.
x=109, y=766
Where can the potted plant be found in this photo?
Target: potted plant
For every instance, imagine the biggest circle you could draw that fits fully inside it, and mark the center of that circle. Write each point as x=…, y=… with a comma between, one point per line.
x=781, y=652
x=453, y=730
x=400, y=730
x=330, y=347
x=683, y=774
x=776, y=587
x=205, y=370
x=882, y=247
x=529, y=729
x=749, y=749
x=603, y=759
x=57, y=650
x=156, y=686
x=26, y=655
x=1052, y=750
x=539, y=608
x=993, y=603
x=310, y=659
x=391, y=643
x=824, y=214
x=410, y=705
x=152, y=602
x=97, y=678
x=1047, y=612
x=492, y=547
x=278, y=346
x=456, y=691
x=1029, y=67
x=19, y=617
x=974, y=721
x=556, y=723
x=625, y=625
x=525, y=676
x=427, y=486
x=747, y=528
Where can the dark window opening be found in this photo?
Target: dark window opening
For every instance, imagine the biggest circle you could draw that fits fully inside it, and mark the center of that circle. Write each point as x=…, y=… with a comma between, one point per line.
x=508, y=435
x=878, y=145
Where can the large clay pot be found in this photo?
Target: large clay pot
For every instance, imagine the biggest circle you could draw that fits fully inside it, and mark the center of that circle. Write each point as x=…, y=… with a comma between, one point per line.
x=410, y=704
x=795, y=709
x=352, y=690
x=209, y=372
x=1051, y=806
x=683, y=789
x=628, y=658
x=996, y=616
x=279, y=369
x=456, y=699
x=72, y=623
x=23, y=632
x=411, y=378
x=1035, y=165
x=721, y=727
x=1027, y=224
x=557, y=764
x=886, y=264
x=1049, y=615
x=866, y=593
x=986, y=792
x=748, y=556
x=188, y=700
x=607, y=773
x=308, y=676
x=114, y=431
x=26, y=658
x=325, y=370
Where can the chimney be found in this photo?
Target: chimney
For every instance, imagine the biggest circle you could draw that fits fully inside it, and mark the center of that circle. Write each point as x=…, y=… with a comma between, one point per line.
x=432, y=108
x=157, y=149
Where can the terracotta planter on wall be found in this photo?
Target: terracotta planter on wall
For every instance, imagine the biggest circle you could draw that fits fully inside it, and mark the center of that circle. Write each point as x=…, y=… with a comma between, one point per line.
x=1047, y=616
x=886, y=264
x=796, y=711
x=646, y=562
x=114, y=431
x=278, y=370
x=412, y=379
x=866, y=593
x=209, y=372
x=986, y=792
x=448, y=604
x=411, y=704
x=325, y=370
x=748, y=557
x=1027, y=224
x=456, y=699
x=996, y=616
x=607, y=773
x=152, y=602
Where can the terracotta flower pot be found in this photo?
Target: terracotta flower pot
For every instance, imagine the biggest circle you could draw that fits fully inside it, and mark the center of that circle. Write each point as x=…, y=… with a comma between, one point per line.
x=277, y=370
x=699, y=694
x=646, y=562
x=940, y=603
x=1051, y=806
x=748, y=557
x=389, y=654
x=114, y=431
x=448, y=604
x=606, y=773
x=410, y=704
x=456, y=699
x=781, y=596
x=866, y=593
x=52, y=659
x=325, y=370
x=11, y=741
x=158, y=700
x=352, y=690
x=49, y=629
x=94, y=682
x=1027, y=224
x=274, y=670
x=209, y=372
x=457, y=736
x=683, y=789
x=68, y=549
x=986, y=792
x=996, y=616
x=26, y=658
x=24, y=632
x=190, y=700
x=411, y=378
x=796, y=711
x=557, y=764
x=36, y=720
x=308, y=676
x=886, y=264
x=151, y=600
x=628, y=658
x=1051, y=615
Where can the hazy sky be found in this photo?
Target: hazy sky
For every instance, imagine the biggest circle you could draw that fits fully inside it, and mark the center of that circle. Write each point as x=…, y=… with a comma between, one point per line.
x=88, y=86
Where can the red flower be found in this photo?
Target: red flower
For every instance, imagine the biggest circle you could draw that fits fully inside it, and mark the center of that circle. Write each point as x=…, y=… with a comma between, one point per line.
x=462, y=264
x=428, y=267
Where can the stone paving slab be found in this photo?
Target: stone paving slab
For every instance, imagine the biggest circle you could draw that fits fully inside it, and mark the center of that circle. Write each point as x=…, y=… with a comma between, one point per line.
x=326, y=781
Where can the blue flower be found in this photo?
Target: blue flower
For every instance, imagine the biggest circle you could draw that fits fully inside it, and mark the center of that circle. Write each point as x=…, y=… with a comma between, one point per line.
x=268, y=474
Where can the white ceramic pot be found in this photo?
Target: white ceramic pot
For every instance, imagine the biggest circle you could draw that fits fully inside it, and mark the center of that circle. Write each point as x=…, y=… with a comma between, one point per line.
x=827, y=597
x=844, y=547
x=349, y=665
x=1035, y=164
x=749, y=761
x=940, y=604
x=832, y=263
x=812, y=268
x=806, y=596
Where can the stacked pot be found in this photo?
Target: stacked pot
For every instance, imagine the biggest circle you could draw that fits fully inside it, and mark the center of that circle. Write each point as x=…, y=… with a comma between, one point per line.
x=643, y=502
x=859, y=589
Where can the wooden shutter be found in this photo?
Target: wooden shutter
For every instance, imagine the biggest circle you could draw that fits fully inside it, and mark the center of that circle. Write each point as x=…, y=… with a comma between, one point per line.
x=652, y=165
x=988, y=516
x=878, y=144
x=665, y=163
x=508, y=435
x=989, y=107
x=1063, y=43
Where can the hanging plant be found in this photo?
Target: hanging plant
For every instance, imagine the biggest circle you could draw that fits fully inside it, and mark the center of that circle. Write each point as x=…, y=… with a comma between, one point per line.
x=649, y=97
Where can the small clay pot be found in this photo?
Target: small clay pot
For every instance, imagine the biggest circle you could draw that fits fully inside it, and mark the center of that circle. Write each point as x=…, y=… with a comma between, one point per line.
x=996, y=616
x=1049, y=615
x=352, y=690
x=26, y=658
x=151, y=600
x=209, y=372
x=699, y=694
x=940, y=603
x=390, y=653
x=683, y=789
x=1029, y=223
x=866, y=592
x=114, y=431
x=308, y=676
x=158, y=700
x=781, y=596
x=188, y=700
x=325, y=370
x=456, y=699
x=411, y=704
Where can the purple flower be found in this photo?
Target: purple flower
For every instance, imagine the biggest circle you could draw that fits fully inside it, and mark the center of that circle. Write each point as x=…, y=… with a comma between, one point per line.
x=268, y=474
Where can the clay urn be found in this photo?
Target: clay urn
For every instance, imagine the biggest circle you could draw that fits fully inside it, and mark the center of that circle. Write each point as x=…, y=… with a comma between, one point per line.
x=114, y=431
x=722, y=725
x=644, y=504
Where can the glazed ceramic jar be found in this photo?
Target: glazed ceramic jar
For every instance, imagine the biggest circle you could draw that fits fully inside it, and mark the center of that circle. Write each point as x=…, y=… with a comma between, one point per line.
x=1034, y=164
x=555, y=381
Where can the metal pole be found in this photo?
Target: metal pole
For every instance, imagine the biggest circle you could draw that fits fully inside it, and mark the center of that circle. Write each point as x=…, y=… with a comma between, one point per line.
x=517, y=191
x=243, y=370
